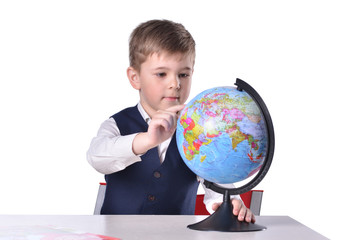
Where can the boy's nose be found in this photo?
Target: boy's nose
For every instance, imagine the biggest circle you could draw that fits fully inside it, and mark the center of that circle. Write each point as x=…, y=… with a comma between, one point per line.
x=175, y=82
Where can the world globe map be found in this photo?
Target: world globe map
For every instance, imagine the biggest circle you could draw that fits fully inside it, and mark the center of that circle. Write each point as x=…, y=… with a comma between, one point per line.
x=221, y=135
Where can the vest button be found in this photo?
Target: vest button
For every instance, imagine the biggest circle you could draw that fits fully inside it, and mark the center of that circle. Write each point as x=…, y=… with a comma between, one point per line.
x=157, y=174
x=151, y=198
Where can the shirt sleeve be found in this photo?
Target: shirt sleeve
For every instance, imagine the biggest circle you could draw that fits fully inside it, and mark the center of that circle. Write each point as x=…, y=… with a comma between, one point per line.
x=212, y=197
x=109, y=151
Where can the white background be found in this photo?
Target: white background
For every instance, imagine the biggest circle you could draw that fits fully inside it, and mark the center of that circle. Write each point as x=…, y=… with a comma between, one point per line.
x=62, y=72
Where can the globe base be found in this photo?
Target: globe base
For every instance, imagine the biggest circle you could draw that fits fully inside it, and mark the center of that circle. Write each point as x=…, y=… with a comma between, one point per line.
x=223, y=220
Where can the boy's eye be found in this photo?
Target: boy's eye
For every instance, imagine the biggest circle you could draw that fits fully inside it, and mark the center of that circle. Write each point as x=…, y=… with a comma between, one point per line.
x=162, y=74
x=183, y=75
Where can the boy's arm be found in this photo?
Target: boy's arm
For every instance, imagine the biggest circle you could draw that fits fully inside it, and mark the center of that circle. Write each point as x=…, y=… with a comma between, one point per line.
x=110, y=152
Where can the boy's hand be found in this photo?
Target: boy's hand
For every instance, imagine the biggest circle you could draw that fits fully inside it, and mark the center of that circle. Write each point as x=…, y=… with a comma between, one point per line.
x=240, y=210
x=161, y=128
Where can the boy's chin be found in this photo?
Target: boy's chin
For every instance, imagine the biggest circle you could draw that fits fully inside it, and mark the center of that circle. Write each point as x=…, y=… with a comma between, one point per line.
x=167, y=105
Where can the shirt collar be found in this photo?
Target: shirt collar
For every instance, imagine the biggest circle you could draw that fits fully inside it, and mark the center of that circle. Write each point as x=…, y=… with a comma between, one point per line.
x=145, y=116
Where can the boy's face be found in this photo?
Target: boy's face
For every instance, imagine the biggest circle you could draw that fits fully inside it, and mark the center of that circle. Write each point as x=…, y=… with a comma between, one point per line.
x=164, y=80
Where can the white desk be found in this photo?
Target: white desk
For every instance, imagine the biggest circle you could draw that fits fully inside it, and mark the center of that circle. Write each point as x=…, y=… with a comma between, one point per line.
x=163, y=227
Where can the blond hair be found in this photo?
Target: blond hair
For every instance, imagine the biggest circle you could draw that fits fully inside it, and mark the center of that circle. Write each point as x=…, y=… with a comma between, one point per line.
x=155, y=36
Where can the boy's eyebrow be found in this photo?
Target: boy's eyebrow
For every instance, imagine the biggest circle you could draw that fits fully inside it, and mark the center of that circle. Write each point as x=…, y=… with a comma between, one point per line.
x=166, y=68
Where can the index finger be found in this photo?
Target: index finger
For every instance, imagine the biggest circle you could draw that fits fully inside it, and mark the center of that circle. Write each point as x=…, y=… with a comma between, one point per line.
x=237, y=206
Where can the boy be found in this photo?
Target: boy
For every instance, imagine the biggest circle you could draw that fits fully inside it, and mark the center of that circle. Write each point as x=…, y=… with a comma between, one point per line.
x=136, y=148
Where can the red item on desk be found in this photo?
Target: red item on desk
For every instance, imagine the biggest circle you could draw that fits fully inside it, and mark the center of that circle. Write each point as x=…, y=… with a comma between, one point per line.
x=48, y=233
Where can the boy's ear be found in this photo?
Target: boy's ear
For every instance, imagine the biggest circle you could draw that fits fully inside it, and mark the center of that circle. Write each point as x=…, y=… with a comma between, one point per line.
x=133, y=78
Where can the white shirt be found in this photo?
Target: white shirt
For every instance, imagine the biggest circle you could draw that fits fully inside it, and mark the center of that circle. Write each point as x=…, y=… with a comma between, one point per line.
x=110, y=152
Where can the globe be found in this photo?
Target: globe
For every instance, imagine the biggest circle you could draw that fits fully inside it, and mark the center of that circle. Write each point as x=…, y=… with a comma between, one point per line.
x=225, y=135
x=221, y=135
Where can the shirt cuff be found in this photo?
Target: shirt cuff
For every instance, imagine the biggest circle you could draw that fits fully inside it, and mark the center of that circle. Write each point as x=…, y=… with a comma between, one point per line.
x=212, y=197
x=113, y=155
x=123, y=146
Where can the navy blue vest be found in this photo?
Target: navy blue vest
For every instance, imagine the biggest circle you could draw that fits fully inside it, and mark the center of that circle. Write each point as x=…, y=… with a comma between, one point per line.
x=149, y=187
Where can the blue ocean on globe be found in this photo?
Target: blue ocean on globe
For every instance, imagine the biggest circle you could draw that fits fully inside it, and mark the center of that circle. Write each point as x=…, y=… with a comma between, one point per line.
x=221, y=135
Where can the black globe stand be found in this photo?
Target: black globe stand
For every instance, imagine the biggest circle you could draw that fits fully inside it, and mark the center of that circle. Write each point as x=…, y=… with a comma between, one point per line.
x=224, y=220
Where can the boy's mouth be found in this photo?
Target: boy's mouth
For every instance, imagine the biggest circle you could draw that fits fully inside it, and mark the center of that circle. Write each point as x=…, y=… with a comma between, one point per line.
x=172, y=99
